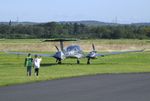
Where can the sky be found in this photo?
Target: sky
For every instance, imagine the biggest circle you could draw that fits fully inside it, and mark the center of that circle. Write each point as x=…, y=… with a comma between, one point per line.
x=120, y=11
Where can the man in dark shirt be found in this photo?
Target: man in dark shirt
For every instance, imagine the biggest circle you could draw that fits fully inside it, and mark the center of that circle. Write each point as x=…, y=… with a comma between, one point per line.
x=28, y=63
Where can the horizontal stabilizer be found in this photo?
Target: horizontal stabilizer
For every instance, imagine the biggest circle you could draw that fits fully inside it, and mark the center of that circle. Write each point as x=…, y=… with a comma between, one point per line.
x=61, y=39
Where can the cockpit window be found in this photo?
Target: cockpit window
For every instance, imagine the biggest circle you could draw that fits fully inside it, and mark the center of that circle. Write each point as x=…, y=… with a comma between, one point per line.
x=73, y=48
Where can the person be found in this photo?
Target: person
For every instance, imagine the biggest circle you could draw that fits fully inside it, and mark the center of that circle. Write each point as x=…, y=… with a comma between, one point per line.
x=37, y=60
x=28, y=63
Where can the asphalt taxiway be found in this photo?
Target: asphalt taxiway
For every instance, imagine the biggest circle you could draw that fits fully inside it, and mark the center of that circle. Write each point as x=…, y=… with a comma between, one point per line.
x=106, y=87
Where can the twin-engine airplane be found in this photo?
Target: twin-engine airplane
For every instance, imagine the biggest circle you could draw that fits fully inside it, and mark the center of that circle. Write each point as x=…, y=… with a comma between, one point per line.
x=74, y=51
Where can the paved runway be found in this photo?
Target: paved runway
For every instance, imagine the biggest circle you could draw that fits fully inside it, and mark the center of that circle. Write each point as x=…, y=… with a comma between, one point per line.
x=115, y=87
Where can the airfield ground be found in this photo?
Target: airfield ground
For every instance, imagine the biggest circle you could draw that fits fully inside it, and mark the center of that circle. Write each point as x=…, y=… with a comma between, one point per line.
x=13, y=72
x=101, y=45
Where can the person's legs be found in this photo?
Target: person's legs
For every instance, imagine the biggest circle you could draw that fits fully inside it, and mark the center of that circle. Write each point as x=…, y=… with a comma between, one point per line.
x=29, y=69
x=36, y=71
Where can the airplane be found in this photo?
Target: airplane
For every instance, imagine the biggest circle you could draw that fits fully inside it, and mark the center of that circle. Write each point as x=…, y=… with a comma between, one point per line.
x=74, y=51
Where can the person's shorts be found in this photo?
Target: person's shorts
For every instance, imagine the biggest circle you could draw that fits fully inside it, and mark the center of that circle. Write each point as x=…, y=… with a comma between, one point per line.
x=36, y=69
x=29, y=68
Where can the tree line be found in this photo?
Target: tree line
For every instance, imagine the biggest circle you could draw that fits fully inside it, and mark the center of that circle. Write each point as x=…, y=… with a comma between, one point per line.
x=74, y=30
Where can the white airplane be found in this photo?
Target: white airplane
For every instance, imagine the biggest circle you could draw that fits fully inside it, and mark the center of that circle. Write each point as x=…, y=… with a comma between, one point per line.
x=74, y=51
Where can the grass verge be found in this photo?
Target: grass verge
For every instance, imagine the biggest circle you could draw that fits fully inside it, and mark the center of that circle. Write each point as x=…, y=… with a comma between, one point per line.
x=12, y=70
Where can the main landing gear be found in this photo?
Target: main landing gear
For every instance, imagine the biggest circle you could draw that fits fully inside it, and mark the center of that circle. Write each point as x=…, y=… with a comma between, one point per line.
x=88, y=61
x=58, y=61
x=78, y=61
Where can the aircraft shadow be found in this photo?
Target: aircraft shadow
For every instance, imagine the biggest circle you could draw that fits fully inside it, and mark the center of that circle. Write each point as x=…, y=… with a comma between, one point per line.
x=54, y=64
x=48, y=64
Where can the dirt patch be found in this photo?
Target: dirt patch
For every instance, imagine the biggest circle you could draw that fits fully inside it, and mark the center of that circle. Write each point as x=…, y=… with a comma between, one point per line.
x=86, y=46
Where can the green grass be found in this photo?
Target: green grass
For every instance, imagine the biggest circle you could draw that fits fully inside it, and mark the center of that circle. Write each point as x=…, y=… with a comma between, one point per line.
x=12, y=70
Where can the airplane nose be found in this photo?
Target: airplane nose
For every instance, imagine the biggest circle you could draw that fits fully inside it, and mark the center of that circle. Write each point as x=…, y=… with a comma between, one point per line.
x=92, y=55
x=59, y=55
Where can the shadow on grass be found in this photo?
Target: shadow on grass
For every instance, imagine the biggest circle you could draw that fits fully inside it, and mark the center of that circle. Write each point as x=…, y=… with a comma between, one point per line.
x=48, y=64
x=75, y=64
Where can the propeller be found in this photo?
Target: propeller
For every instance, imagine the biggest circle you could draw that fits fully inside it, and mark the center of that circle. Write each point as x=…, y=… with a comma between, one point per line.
x=93, y=46
x=91, y=54
x=57, y=48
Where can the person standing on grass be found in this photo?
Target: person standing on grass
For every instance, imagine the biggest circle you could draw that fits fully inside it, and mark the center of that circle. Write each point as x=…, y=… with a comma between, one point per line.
x=37, y=60
x=28, y=63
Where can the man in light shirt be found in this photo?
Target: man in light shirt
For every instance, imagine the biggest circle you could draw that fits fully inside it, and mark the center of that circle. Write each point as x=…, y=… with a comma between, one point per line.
x=37, y=60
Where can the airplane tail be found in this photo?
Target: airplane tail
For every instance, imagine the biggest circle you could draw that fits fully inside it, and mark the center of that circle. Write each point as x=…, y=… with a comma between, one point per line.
x=61, y=40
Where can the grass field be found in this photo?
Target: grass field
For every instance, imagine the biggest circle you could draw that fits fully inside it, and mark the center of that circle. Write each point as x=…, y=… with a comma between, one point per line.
x=13, y=72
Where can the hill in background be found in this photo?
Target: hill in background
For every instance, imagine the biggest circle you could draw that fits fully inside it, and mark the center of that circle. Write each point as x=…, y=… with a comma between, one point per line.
x=85, y=22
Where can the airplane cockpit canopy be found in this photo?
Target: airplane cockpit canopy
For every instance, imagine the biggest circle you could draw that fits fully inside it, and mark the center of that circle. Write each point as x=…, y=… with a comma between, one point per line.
x=73, y=48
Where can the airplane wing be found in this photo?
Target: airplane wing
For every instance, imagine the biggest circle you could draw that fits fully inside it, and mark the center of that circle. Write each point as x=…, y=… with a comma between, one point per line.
x=23, y=53
x=122, y=52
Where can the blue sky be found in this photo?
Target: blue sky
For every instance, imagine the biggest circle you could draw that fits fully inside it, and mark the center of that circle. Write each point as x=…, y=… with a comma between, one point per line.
x=122, y=11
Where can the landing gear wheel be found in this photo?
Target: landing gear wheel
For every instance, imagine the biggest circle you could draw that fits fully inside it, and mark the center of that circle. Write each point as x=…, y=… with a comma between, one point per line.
x=59, y=61
x=88, y=61
x=78, y=62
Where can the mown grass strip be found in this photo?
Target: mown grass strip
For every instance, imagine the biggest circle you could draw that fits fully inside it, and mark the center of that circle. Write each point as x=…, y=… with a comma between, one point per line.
x=12, y=70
